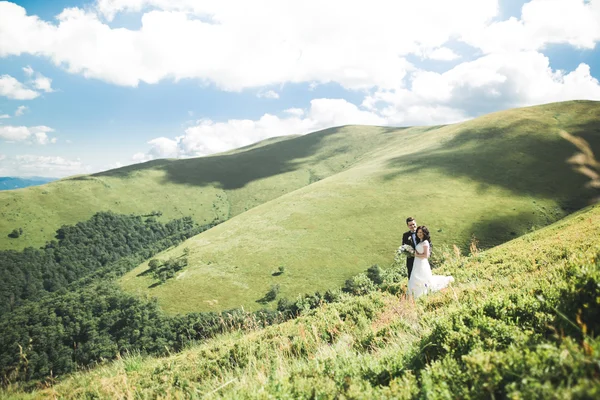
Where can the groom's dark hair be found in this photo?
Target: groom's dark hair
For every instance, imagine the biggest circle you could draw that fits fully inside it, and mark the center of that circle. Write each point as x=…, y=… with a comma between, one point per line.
x=425, y=232
x=409, y=219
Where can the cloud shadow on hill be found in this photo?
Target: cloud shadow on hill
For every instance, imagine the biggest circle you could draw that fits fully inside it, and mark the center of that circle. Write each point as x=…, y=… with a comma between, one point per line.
x=233, y=171
x=527, y=158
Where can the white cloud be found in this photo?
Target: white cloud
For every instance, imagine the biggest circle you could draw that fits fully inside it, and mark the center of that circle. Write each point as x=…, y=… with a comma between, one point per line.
x=33, y=134
x=210, y=137
x=140, y=157
x=297, y=112
x=13, y=89
x=20, y=111
x=115, y=165
x=442, y=54
x=237, y=44
x=4, y=116
x=34, y=165
x=490, y=83
x=43, y=83
x=269, y=94
x=28, y=70
x=2, y=157
x=163, y=148
x=543, y=22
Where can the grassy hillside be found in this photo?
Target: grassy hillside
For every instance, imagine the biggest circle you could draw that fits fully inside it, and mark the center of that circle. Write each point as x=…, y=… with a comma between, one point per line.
x=521, y=321
x=495, y=177
x=205, y=188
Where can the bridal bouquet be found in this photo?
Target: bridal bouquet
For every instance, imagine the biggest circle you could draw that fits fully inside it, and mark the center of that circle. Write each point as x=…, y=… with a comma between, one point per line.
x=405, y=250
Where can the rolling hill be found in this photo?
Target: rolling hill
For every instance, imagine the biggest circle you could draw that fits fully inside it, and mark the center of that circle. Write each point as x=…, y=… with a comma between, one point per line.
x=492, y=179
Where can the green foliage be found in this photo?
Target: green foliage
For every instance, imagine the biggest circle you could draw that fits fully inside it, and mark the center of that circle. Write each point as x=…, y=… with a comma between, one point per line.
x=84, y=249
x=167, y=269
x=360, y=284
x=68, y=330
x=376, y=274
x=271, y=294
x=15, y=233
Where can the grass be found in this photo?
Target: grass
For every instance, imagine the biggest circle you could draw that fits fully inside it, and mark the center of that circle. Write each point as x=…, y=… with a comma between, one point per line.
x=494, y=178
x=499, y=323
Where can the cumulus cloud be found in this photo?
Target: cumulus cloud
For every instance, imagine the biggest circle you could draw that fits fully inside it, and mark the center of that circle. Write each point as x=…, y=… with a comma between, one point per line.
x=442, y=54
x=4, y=116
x=35, y=165
x=235, y=44
x=20, y=111
x=208, y=137
x=33, y=134
x=43, y=83
x=542, y=22
x=13, y=89
x=490, y=83
x=269, y=94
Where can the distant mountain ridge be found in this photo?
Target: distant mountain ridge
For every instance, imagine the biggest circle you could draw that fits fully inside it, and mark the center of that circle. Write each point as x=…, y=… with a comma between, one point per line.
x=18, y=182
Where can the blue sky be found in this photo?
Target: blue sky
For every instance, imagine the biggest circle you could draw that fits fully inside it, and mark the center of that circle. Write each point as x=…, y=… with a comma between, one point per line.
x=92, y=85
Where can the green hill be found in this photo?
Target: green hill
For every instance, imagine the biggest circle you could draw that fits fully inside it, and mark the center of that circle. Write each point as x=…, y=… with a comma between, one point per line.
x=521, y=321
x=206, y=188
x=495, y=178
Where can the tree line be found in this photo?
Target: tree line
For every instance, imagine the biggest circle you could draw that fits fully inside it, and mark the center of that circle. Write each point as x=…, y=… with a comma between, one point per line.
x=82, y=249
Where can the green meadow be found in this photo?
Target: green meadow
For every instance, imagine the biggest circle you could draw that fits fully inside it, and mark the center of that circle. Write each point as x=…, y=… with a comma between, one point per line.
x=490, y=179
x=521, y=322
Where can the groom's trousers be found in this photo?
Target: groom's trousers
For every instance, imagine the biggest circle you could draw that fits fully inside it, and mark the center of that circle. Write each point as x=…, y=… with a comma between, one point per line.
x=409, y=265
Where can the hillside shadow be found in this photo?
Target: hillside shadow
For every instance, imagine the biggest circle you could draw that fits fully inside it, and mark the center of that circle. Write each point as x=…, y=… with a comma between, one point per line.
x=233, y=171
x=495, y=230
x=524, y=158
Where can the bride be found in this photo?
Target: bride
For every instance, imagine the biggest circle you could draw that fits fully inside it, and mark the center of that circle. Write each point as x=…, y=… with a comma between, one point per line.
x=422, y=281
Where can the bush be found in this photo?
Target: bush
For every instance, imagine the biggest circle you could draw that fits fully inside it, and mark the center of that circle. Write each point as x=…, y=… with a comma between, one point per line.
x=359, y=285
x=271, y=294
x=16, y=233
x=375, y=273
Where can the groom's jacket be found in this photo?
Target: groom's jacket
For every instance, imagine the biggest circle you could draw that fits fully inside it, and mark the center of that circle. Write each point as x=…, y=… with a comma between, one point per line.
x=407, y=239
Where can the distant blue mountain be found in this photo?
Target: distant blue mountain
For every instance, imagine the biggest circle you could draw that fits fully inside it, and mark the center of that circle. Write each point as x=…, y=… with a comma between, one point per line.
x=15, y=182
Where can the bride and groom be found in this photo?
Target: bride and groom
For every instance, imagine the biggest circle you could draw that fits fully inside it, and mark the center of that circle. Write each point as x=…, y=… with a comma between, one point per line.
x=420, y=279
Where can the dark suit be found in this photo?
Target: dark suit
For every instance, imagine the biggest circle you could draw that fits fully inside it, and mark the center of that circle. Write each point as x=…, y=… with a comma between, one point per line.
x=407, y=238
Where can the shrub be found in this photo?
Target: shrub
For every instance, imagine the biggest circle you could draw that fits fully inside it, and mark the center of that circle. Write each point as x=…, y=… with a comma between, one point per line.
x=16, y=233
x=272, y=293
x=359, y=285
x=375, y=273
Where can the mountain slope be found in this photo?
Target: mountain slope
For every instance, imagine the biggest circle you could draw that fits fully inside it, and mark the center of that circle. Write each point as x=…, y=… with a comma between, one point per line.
x=206, y=188
x=496, y=177
x=512, y=326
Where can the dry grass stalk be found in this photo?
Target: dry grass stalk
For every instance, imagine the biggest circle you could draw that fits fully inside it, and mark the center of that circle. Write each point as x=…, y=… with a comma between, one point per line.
x=584, y=162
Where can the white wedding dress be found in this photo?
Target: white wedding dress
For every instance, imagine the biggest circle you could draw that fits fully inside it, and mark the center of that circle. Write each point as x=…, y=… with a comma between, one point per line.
x=422, y=281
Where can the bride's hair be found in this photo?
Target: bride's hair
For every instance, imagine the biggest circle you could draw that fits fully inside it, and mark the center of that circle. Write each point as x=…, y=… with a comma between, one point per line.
x=425, y=232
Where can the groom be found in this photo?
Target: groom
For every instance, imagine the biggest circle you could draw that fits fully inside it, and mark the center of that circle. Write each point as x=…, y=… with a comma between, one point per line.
x=410, y=238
